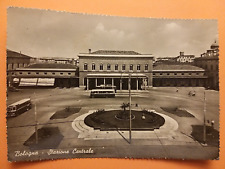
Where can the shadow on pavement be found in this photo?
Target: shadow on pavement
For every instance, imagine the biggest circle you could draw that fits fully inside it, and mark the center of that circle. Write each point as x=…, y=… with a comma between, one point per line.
x=48, y=138
x=212, y=135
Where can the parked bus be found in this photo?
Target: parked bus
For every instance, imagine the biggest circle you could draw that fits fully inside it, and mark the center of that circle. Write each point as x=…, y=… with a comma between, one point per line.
x=18, y=107
x=102, y=93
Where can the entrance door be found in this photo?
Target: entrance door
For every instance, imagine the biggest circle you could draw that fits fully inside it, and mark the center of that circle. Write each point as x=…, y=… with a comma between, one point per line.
x=117, y=83
x=91, y=83
x=133, y=84
x=100, y=81
x=125, y=84
x=108, y=81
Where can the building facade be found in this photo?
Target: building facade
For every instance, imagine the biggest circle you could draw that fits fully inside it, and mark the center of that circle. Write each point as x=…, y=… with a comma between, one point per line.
x=16, y=60
x=178, y=75
x=182, y=58
x=57, y=60
x=55, y=75
x=210, y=62
x=107, y=67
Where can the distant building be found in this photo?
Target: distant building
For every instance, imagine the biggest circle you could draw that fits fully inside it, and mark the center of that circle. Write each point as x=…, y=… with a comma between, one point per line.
x=210, y=62
x=165, y=60
x=182, y=58
x=178, y=75
x=16, y=60
x=57, y=60
x=108, y=67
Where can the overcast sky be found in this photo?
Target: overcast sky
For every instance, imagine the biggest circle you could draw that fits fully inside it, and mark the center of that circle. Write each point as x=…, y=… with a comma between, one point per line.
x=42, y=33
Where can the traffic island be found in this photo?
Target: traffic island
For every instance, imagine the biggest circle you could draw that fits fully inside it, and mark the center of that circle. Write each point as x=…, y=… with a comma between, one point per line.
x=113, y=120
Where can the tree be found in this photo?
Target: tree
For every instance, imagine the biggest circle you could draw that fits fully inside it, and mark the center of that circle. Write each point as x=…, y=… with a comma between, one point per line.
x=124, y=106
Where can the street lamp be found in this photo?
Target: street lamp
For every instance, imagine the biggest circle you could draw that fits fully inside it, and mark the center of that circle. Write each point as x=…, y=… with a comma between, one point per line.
x=35, y=119
x=130, y=106
x=204, y=119
x=130, y=115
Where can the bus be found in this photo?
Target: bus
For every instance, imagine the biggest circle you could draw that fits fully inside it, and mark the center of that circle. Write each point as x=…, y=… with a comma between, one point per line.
x=18, y=107
x=102, y=93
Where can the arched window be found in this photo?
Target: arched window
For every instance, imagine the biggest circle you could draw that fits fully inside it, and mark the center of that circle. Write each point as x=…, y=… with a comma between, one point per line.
x=146, y=67
x=131, y=67
x=123, y=67
x=93, y=66
x=116, y=67
x=138, y=67
x=85, y=66
x=101, y=66
x=108, y=66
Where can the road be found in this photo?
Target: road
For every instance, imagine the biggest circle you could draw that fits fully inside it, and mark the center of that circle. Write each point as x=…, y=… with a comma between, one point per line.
x=48, y=101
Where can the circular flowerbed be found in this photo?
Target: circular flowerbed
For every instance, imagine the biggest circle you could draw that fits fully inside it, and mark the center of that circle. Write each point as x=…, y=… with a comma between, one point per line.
x=110, y=120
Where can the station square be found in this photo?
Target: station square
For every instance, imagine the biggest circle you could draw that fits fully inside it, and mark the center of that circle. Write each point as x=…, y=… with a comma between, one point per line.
x=168, y=141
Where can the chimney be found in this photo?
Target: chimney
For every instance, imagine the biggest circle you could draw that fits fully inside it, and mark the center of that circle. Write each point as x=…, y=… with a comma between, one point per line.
x=89, y=50
x=181, y=53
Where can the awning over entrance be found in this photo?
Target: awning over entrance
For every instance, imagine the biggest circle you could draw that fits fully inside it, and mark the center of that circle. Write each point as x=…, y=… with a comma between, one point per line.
x=120, y=80
x=37, y=82
x=116, y=75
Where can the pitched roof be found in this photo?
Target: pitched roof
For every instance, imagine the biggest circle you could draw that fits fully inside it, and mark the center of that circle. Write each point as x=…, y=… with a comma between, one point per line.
x=115, y=52
x=52, y=66
x=176, y=67
x=14, y=54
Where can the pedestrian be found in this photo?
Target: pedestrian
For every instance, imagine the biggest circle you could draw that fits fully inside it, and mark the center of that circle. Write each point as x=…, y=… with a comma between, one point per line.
x=189, y=93
x=193, y=94
x=212, y=123
x=143, y=116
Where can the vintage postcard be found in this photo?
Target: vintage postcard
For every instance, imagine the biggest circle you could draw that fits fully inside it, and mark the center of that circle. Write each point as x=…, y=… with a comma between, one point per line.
x=90, y=86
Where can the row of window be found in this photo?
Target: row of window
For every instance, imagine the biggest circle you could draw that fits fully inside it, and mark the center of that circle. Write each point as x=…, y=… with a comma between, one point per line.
x=176, y=73
x=108, y=67
x=16, y=65
x=211, y=67
x=45, y=73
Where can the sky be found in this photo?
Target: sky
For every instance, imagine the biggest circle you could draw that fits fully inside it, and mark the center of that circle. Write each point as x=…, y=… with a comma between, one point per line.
x=45, y=33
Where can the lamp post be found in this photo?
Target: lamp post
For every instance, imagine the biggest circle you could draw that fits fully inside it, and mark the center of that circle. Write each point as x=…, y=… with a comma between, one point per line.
x=130, y=106
x=35, y=119
x=204, y=119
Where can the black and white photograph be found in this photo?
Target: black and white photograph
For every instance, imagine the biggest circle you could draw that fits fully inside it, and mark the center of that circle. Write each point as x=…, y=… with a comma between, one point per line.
x=96, y=86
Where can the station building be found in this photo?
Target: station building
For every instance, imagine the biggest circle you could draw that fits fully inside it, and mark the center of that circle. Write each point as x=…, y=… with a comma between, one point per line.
x=178, y=75
x=46, y=74
x=109, y=67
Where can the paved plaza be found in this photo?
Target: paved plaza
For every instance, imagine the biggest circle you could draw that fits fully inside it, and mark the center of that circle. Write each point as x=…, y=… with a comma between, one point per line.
x=172, y=140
